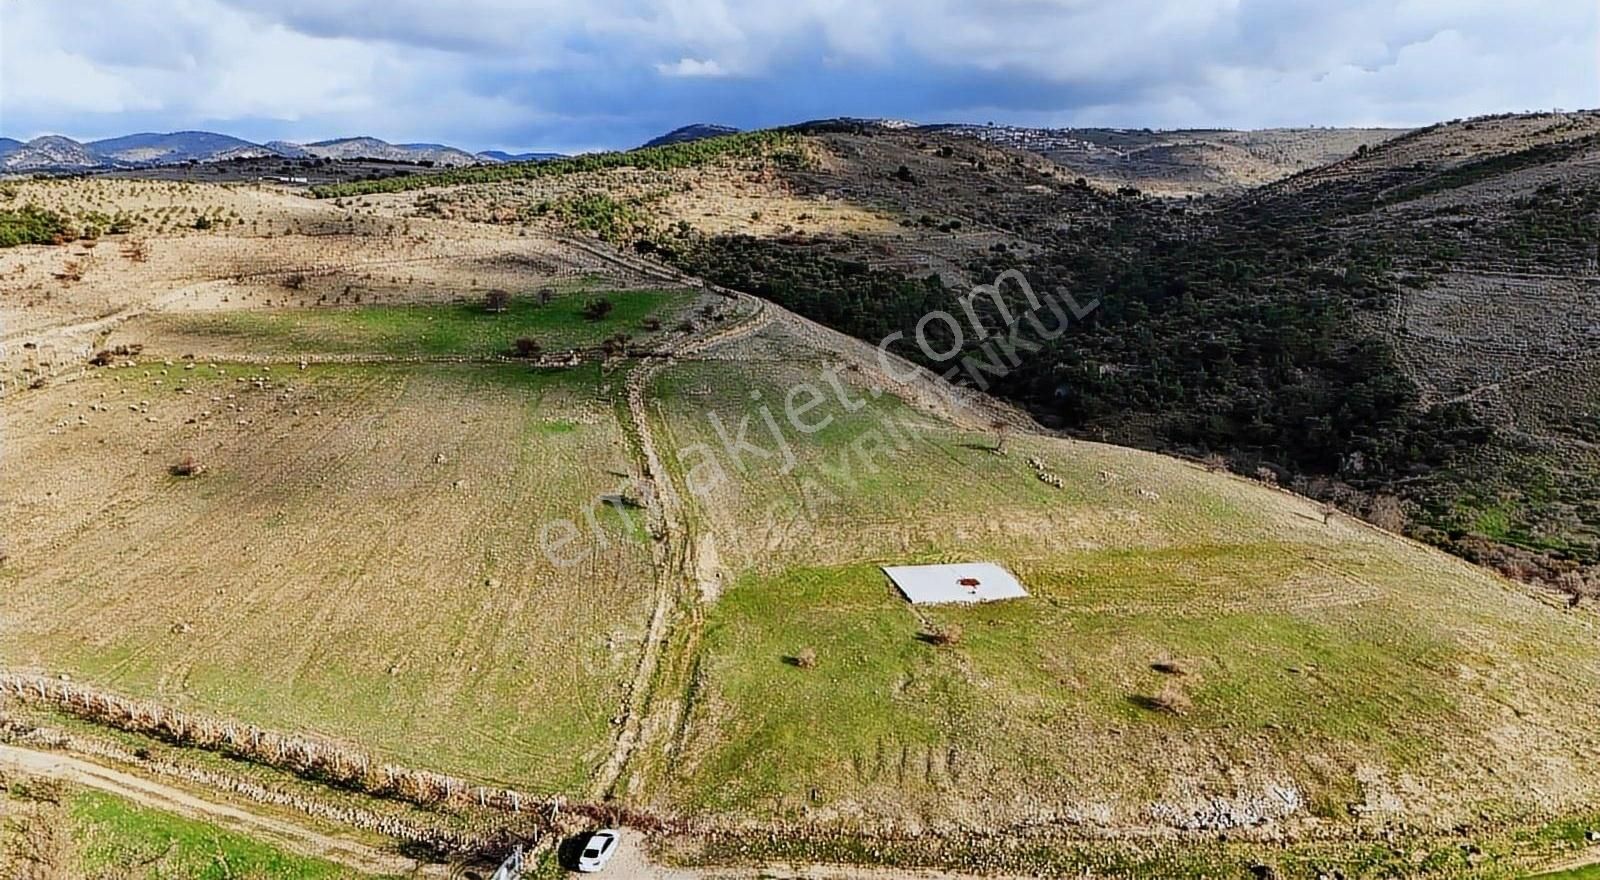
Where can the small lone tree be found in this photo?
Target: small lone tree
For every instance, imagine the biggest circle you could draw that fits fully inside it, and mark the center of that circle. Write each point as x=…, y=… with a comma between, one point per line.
x=597, y=309
x=497, y=301
x=545, y=295
x=526, y=347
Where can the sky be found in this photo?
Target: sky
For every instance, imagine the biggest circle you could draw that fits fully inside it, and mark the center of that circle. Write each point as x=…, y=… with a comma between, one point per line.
x=573, y=75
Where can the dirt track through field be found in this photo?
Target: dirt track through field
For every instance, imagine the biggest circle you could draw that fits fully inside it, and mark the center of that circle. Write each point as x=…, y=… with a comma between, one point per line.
x=675, y=552
x=147, y=793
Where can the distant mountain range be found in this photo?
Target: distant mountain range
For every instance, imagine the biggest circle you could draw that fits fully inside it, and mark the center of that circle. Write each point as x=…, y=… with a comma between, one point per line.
x=57, y=153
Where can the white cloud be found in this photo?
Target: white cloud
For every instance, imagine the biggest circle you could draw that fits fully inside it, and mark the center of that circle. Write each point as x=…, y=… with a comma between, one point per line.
x=425, y=69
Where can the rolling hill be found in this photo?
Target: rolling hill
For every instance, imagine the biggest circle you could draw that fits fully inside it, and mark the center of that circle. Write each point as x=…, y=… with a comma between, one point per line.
x=1185, y=161
x=175, y=147
x=373, y=148
x=1341, y=330
x=687, y=133
x=49, y=152
x=320, y=488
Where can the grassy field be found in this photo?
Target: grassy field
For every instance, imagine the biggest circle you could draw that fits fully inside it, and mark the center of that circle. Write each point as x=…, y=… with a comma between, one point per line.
x=358, y=558
x=1197, y=651
x=114, y=834
x=55, y=831
x=457, y=330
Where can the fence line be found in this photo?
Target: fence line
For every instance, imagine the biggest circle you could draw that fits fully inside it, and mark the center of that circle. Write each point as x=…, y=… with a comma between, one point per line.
x=312, y=758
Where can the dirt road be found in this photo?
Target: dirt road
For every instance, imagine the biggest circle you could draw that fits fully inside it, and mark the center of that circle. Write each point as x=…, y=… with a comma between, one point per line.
x=675, y=554
x=293, y=837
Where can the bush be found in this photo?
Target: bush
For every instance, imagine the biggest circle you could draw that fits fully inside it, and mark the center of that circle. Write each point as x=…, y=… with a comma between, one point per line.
x=949, y=634
x=1387, y=513
x=30, y=225
x=497, y=301
x=1170, y=667
x=806, y=658
x=186, y=467
x=598, y=309
x=1171, y=699
x=526, y=347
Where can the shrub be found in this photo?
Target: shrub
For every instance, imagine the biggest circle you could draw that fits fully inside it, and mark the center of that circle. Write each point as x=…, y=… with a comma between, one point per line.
x=526, y=347
x=806, y=658
x=186, y=467
x=497, y=301
x=598, y=309
x=950, y=634
x=30, y=225
x=1387, y=513
x=1170, y=667
x=1172, y=699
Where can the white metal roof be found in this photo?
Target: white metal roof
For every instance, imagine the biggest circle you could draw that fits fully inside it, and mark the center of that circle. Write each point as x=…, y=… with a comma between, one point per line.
x=958, y=582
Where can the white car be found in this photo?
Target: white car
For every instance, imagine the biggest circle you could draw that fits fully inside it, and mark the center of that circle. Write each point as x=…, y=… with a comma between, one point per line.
x=598, y=850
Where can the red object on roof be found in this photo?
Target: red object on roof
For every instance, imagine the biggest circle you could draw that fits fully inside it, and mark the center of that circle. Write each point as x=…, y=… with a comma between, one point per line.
x=969, y=583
